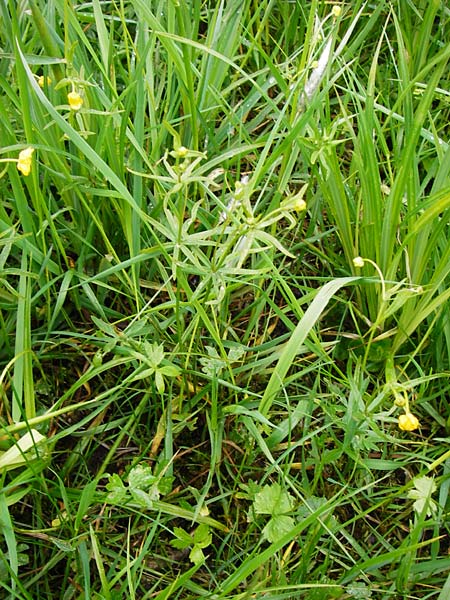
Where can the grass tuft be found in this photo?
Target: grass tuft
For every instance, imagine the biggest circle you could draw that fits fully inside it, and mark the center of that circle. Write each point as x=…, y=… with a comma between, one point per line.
x=224, y=285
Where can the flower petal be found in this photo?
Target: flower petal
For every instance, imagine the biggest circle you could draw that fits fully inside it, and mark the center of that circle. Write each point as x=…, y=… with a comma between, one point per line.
x=75, y=100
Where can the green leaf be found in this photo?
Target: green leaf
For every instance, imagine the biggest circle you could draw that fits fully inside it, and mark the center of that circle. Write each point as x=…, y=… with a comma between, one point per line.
x=196, y=555
x=144, y=374
x=359, y=591
x=202, y=536
x=313, y=503
x=235, y=353
x=155, y=353
x=143, y=498
x=183, y=539
x=201, y=539
x=424, y=489
x=159, y=382
x=169, y=370
x=165, y=484
x=117, y=492
x=273, y=500
x=22, y=559
x=213, y=364
x=277, y=527
x=141, y=477
x=298, y=336
x=29, y=447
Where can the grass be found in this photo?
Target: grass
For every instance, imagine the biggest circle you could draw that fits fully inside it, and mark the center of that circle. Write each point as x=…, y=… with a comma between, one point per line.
x=200, y=385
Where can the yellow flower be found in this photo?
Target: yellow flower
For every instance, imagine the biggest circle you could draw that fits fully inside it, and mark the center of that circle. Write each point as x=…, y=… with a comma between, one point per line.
x=24, y=161
x=336, y=11
x=75, y=100
x=408, y=422
x=358, y=262
x=42, y=80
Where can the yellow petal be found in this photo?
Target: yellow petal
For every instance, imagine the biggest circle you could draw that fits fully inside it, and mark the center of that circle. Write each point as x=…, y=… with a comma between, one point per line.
x=408, y=422
x=42, y=80
x=75, y=100
x=24, y=161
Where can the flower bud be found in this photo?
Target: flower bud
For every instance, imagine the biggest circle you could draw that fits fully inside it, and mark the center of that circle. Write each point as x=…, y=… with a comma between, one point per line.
x=408, y=422
x=336, y=11
x=358, y=262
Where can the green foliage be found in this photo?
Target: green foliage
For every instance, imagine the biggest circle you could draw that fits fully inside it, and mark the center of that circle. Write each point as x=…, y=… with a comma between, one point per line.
x=273, y=500
x=200, y=387
x=200, y=539
x=28, y=448
x=143, y=487
x=424, y=487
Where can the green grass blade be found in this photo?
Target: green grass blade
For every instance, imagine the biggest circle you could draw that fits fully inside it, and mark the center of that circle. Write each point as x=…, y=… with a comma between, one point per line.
x=298, y=337
x=7, y=530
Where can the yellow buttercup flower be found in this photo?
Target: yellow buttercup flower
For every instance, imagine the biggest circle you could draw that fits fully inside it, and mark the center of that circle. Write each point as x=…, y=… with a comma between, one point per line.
x=75, y=100
x=408, y=422
x=24, y=161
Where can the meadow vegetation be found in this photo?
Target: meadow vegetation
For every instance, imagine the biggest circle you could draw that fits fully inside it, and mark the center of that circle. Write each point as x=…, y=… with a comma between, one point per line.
x=224, y=299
